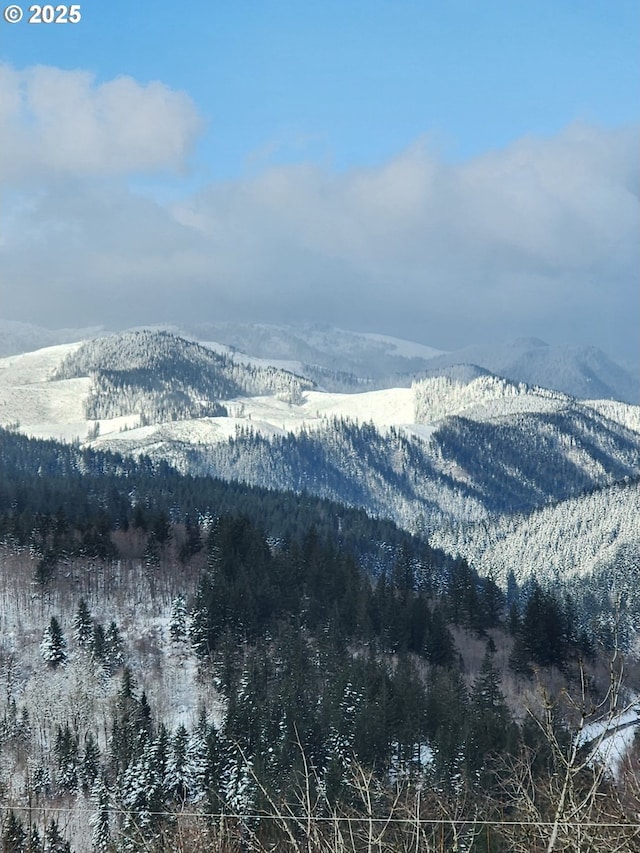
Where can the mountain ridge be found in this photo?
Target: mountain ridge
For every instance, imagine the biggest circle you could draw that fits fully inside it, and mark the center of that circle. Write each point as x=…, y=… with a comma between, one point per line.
x=457, y=447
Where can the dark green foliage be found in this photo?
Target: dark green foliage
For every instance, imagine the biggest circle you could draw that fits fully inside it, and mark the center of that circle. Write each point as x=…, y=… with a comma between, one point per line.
x=491, y=731
x=54, y=840
x=34, y=843
x=67, y=759
x=315, y=654
x=53, y=647
x=518, y=480
x=67, y=501
x=14, y=836
x=46, y=568
x=89, y=763
x=543, y=635
x=83, y=625
x=100, y=820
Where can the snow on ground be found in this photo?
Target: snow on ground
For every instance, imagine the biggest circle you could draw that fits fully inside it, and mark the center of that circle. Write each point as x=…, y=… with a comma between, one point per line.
x=270, y=416
x=400, y=347
x=389, y=407
x=613, y=748
x=55, y=409
x=33, y=367
x=42, y=408
x=254, y=361
x=483, y=398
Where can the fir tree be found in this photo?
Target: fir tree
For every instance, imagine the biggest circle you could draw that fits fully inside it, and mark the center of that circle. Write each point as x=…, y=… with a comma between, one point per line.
x=178, y=622
x=138, y=787
x=489, y=719
x=98, y=644
x=54, y=840
x=34, y=843
x=90, y=763
x=114, y=650
x=14, y=836
x=176, y=779
x=197, y=768
x=83, y=625
x=53, y=646
x=66, y=751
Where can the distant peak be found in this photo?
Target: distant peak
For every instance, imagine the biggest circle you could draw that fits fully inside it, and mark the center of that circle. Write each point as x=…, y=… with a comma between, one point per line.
x=529, y=343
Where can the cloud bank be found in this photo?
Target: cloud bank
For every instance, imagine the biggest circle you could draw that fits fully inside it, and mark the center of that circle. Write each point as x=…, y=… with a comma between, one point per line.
x=63, y=124
x=539, y=238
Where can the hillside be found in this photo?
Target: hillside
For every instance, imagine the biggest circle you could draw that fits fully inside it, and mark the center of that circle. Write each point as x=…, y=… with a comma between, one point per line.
x=583, y=536
x=458, y=447
x=160, y=670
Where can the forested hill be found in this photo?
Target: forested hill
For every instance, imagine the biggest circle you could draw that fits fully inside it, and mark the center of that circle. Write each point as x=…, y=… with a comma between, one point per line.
x=43, y=477
x=166, y=377
x=164, y=672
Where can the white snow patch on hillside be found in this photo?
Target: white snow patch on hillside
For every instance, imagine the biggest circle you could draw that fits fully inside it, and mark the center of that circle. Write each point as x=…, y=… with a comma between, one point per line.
x=400, y=347
x=389, y=407
x=42, y=408
x=622, y=413
x=33, y=367
x=613, y=739
x=252, y=360
x=267, y=416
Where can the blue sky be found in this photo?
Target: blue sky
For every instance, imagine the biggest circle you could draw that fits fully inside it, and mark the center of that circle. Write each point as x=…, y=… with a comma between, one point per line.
x=453, y=172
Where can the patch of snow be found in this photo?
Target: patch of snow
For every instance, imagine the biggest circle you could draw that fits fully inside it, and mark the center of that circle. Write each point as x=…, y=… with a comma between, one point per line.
x=403, y=348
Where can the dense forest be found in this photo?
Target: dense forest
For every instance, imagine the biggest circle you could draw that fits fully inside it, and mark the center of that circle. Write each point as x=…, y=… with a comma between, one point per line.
x=356, y=689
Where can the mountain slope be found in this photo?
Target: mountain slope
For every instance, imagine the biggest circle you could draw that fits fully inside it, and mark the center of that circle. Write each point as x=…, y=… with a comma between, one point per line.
x=458, y=447
x=581, y=536
x=165, y=377
x=580, y=371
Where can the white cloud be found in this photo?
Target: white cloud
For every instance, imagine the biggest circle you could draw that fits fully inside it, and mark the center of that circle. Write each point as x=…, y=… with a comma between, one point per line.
x=59, y=123
x=537, y=239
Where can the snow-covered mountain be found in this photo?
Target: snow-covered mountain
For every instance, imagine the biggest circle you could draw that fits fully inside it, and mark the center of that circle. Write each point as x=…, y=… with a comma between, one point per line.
x=458, y=448
x=581, y=371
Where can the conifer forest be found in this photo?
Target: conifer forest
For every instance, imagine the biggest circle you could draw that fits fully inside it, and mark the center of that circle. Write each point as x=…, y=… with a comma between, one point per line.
x=192, y=665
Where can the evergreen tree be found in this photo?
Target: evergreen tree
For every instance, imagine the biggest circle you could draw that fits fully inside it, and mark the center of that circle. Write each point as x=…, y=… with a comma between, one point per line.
x=197, y=768
x=34, y=842
x=192, y=543
x=542, y=636
x=490, y=723
x=98, y=644
x=53, y=646
x=66, y=751
x=14, y=836
x=47, y=566
x=113, y=649
x=90, y=763
x=178, y=621
x=177, y=775
x=54, y=840
x=83, y=625
x=100, y=819
x=137, y=790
